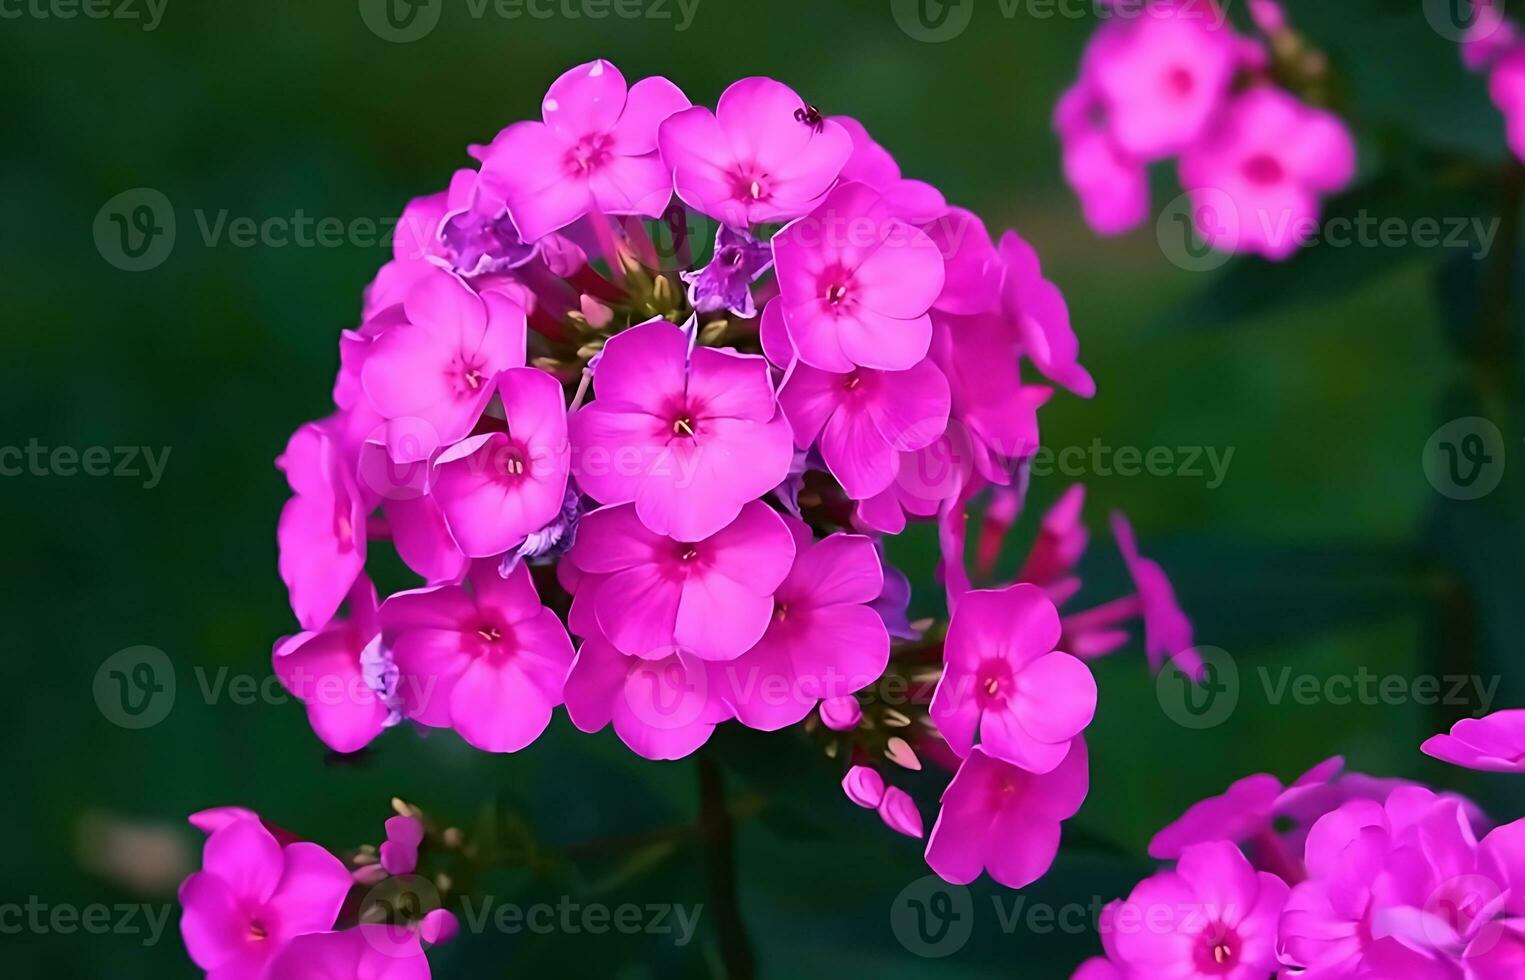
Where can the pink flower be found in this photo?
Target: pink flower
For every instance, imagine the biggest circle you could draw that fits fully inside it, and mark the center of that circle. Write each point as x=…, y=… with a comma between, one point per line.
x=652, y=595
x=866, y=419
x=1113, y=187
x=494, y=490
x=726, y=282
x=661, y=709
x=1004, y=682
x=322, y=532
x=760, y=157
x=1409, y=873
x=1003, y=819
x=1167, y=630
x=1162, y=76
x=1507, y=86
x=595, y=152
x=372, y=952
x=489, y=661
x=1492, y=744
x=1257, y=177
x=689, y=436
x=824, y=640
x=430, y=371
x=856, y=282
x=323, y=670
x=253, y=896
x=1492, y=36
x=399, y=855
x=1042, y=318
x=1212, y=918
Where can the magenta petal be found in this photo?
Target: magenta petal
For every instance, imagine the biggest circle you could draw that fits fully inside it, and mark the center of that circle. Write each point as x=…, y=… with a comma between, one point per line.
x=857, y=454
x=632, y=185
x=637, y=610
x=312, y=889
x=586, y=100
x=247, y=859
x=899, y=813
x=843, y=568
x=497, y=708
x=912, y=411
x=211, y=921
x=644, y=366
x=1059, y=697
x=650, y=101
x=720, y=618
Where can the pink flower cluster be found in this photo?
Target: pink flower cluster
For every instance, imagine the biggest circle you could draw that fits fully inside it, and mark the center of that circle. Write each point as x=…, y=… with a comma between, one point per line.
x=1337, y=875
x=1173, y=79
x=1014, y=694
x=653, y=489
x=265, y=906
x=1494, y=45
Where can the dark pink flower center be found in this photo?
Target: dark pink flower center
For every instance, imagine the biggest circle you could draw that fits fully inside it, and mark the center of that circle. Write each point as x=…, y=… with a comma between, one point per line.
x=1180, y=81
x=468, y=373
x=683, y=425
x=589, y=153
x=836, y=290
x=258, y=931
x=510, y=463
x=1262, y=168
x=750, y=184
x=1218, y=950
x=993, y=684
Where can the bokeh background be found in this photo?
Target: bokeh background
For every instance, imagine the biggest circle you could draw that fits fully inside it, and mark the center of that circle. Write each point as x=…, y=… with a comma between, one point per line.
x=1325, y=550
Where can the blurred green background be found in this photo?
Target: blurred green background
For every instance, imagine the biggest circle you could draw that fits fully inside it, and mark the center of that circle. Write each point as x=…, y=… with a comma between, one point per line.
x=1325, y=550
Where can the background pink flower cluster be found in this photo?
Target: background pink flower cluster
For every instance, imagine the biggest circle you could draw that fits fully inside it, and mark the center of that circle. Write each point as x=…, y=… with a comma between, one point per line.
x=1336, y=875
x=1165, y=79
x=266, y=904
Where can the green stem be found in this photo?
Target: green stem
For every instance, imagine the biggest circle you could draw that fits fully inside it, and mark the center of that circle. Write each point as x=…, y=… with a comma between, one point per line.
x=720, y=869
